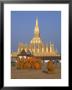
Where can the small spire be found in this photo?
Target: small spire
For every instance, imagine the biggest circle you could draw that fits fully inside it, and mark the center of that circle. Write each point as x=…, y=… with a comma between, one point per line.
x=50, y=42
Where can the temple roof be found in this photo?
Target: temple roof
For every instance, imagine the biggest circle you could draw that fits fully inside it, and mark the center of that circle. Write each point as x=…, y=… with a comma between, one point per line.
x=23, y=53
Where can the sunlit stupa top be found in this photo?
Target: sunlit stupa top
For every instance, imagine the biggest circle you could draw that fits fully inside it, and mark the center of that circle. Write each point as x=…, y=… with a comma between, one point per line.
x=36, y=30
x=36, y=38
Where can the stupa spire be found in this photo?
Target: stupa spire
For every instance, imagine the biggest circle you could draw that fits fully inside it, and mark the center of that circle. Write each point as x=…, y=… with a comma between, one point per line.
x=36, y=31
x=36, y=21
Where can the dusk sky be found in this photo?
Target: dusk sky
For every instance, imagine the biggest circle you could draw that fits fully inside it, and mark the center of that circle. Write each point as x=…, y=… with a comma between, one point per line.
x=23, y=23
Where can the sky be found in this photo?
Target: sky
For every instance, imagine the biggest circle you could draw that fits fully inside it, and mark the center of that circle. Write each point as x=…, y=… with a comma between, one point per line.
x=23, y=24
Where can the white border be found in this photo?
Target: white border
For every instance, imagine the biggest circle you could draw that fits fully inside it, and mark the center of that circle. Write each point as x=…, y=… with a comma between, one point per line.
x=64, y=8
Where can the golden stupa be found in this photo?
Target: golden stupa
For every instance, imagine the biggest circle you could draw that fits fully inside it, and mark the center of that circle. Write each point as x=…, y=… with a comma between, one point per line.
x=36, y=45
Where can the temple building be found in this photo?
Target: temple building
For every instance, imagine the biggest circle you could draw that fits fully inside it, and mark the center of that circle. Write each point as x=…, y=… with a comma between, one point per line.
x=36, y=45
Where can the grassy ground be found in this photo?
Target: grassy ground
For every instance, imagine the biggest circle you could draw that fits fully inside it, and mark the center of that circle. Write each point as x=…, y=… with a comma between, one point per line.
x=34, y=74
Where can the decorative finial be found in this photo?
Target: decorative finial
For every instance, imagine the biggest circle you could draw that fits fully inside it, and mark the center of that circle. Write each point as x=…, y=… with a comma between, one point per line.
x=36, y=21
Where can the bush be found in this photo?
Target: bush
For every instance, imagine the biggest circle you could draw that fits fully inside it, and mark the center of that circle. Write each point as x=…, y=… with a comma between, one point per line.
x=28, y=63
x=37, y=66
x=51, y=66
